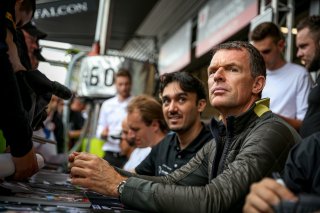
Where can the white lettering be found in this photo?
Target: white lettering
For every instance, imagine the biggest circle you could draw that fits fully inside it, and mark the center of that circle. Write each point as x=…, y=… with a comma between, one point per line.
x=61, y=10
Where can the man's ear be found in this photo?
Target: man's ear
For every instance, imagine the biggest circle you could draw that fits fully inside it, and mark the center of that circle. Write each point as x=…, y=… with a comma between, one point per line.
x=155, y=124
x=201, y=105
x=258, y=84
x=282, y=44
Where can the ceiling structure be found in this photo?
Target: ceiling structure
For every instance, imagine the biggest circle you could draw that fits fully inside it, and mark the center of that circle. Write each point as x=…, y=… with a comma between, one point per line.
x=137, y=27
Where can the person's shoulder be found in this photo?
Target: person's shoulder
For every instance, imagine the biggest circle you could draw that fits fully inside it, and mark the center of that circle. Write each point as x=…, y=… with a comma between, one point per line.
x=312, y=140
x=166, y=141
x=109, y=101
x=297, y=68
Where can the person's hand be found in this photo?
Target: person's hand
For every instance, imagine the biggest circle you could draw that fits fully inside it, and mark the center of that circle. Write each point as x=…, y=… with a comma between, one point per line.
x=71, y=159
x=265, y=194
x=92, y=172
x=105, y=133
x=25, y=166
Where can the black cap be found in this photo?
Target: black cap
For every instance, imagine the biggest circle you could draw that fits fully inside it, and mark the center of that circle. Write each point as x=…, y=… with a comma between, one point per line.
x=33, y=30
x=37, y=53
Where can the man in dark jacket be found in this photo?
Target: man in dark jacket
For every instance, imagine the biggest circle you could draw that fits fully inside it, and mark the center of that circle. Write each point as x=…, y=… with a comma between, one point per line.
x=250, y=142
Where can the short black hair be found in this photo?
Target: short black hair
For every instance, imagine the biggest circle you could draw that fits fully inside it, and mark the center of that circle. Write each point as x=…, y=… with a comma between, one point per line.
x=187, y=82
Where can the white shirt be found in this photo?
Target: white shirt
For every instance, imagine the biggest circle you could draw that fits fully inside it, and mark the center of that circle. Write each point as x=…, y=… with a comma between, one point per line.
x=111, y=115
x=288, y=88
x=136, y=157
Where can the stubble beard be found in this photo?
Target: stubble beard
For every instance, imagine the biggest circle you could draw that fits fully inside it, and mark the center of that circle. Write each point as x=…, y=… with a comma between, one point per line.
x=315, y=63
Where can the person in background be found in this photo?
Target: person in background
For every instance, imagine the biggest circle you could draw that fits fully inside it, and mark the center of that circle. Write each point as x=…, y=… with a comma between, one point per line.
x=112, y=112
x=287, y=85
x=76, y=120
x=147, y=127
x=183, y=99
x=249, y=142
x=126, y=144
x=59, y=130
x=301, y=173
x=32, y=35
x=307, y=41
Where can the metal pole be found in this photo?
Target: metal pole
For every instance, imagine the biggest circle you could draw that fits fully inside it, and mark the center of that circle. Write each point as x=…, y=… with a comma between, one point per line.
x=262, y=6
x=99, y=20
x=104, y=27
x=275, y=9
x=290, y=20
x=66, y=109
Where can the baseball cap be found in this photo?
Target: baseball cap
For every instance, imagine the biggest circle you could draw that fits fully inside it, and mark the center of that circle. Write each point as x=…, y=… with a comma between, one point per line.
x=33, y=30
x=37, y=53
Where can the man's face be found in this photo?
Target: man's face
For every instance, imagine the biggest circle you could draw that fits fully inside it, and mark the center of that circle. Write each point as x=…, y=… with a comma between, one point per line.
x=180, y=109
x=271, y=51
x=123, y=86
x=32, y=45
x=308, y=50
x=143, y=135
x=125, y=145
x=231, y=86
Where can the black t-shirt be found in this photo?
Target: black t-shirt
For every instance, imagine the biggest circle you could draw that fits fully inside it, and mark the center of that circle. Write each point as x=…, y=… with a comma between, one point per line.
x=166, y=156
x=311, y=122
x=76, y=120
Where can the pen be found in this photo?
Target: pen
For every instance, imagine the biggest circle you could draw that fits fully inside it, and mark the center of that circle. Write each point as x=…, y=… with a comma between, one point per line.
x=278, y=178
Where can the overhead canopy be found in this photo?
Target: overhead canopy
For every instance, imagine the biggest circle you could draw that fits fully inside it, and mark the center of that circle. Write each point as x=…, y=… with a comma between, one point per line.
x=74, y=21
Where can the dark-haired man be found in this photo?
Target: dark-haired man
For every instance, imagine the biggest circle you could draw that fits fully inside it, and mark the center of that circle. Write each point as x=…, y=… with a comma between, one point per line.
x=287, y=84
x=183, y=99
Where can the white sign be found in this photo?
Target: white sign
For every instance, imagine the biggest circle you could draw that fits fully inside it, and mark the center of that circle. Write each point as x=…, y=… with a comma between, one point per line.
x=97, y=76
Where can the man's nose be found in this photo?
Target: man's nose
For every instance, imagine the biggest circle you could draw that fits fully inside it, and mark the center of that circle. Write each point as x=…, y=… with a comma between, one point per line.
x=219, y=75
x=131, y=134
x=172, y=106
x=299, y=53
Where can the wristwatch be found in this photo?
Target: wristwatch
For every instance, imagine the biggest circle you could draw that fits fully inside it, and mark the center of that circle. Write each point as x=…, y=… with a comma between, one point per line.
x=120, y=187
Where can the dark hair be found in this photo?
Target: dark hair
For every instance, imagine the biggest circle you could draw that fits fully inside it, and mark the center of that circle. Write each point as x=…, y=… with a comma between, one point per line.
x=187, y=82
x=150, y=109
x=266, y=29
x=313, y=23
x=123, y=73
x=257, y=64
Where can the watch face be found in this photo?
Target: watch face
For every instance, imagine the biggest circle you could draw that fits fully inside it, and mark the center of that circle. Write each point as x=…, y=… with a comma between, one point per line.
x=120, y=187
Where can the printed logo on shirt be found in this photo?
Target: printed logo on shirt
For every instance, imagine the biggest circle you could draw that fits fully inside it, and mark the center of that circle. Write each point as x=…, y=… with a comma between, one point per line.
x=164, y=169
